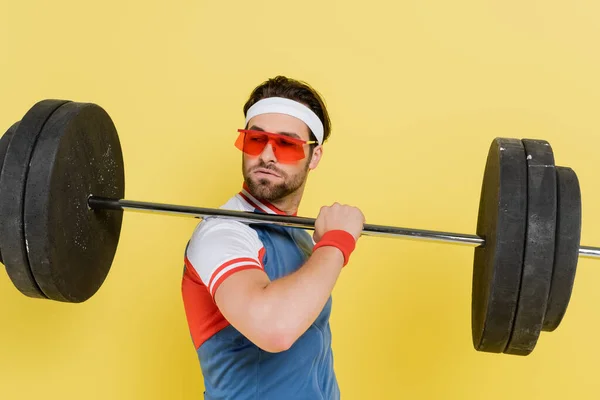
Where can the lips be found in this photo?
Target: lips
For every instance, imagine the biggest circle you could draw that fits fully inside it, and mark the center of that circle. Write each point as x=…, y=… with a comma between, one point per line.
x=266, y=172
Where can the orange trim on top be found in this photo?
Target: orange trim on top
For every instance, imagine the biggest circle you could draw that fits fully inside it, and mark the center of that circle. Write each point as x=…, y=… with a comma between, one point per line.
x=273, y=208
x=203, y=316
x=193, y=274
x=228, y=263
x=231, y=272
x=252, y=204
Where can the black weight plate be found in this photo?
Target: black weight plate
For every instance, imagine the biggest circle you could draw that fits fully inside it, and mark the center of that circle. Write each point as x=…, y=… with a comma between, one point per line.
x=12, y=186
x=538, y=261
x=498, y=263
x=566, y=255
x=71, y=247
x=4, y=141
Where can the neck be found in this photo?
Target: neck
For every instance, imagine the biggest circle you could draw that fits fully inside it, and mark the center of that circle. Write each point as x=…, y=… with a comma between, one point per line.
x=290, y=203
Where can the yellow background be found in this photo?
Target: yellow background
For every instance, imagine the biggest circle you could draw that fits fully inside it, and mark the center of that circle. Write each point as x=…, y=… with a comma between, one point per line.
x=416, y=91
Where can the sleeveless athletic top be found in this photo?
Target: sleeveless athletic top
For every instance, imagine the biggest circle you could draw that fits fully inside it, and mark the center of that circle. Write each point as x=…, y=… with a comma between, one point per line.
x=232, y=366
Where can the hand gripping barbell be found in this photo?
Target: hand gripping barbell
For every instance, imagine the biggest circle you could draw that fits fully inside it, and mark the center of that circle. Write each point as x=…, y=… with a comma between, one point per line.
x=61, y=200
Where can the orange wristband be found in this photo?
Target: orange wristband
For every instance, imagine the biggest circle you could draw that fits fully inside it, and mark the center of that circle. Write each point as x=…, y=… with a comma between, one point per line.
x=341, y=239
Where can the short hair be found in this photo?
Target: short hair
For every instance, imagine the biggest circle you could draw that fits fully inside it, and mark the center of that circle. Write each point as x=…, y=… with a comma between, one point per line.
x=293, y=89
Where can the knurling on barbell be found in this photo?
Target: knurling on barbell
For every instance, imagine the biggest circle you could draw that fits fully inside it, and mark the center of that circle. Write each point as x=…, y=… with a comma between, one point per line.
x=62, y=185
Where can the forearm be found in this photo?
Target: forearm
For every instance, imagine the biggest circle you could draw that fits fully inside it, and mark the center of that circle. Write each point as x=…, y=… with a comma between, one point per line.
x=295, y=301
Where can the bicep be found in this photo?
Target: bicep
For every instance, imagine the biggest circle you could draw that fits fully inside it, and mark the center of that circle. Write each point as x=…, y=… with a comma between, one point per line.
x=238, y=296
x=241, y=300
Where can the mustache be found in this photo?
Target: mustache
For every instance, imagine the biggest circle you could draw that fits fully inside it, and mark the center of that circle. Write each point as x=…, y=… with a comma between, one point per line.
x=269, y=167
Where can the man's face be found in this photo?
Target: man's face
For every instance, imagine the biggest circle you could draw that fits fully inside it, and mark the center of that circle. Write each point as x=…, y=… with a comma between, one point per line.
x=265, y=175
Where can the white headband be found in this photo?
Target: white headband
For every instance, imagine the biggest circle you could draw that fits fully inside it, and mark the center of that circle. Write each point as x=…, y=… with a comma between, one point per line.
x=282, y=105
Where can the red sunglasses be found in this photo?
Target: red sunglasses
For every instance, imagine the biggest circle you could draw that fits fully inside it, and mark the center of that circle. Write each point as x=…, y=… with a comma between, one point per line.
x=287, y=149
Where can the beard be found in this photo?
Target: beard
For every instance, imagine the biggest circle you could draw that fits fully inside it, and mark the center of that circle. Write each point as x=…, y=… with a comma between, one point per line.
x=264, y=189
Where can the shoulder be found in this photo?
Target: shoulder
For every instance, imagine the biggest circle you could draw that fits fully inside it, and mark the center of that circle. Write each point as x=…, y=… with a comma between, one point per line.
x=225, y=232
x=224, y=227
x=220, y=245
x=221, y=229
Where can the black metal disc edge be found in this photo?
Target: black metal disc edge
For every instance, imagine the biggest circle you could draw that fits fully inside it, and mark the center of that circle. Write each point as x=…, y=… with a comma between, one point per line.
x=511, y=348
x=4, y=143
x=25, y=283
x=48, y=291
x=496, y=343
x=567, y=251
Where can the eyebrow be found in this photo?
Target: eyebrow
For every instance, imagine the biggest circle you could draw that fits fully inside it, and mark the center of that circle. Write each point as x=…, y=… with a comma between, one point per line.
x=291, y=134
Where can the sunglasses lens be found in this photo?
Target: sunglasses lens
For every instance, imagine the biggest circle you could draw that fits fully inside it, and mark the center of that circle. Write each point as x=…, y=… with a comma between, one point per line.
x=287, y=150
x=253, y=143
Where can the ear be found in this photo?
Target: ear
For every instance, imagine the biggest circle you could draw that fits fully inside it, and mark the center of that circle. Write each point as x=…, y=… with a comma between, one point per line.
x=316, y=157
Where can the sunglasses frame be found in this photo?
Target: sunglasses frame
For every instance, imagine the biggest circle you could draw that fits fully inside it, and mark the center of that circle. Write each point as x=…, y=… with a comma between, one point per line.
x=271, y=134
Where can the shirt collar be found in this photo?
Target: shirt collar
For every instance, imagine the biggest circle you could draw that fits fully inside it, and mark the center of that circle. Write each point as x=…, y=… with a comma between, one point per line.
x=260, y=205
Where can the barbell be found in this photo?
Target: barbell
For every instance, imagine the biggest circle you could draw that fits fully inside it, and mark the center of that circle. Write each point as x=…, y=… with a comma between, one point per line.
x=62, y=185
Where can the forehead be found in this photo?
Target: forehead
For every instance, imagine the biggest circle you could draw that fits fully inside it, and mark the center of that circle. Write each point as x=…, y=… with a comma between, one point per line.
x=280, y=123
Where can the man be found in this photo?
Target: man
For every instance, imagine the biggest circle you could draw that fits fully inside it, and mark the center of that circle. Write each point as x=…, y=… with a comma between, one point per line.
x=258, y=296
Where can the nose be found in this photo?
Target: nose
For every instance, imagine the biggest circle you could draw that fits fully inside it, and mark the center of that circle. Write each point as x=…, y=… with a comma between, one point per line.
x=268, y=153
